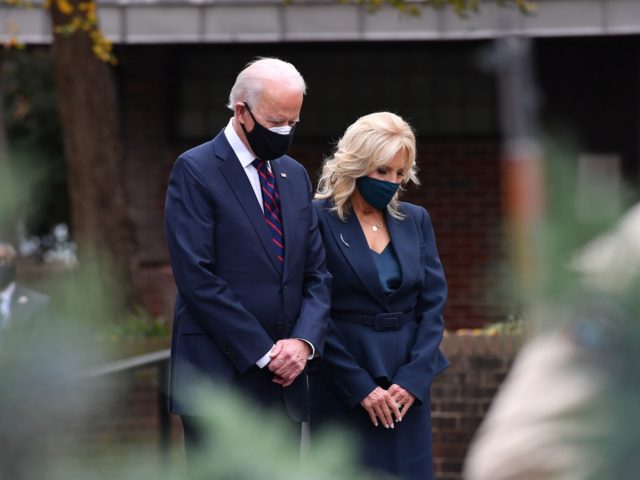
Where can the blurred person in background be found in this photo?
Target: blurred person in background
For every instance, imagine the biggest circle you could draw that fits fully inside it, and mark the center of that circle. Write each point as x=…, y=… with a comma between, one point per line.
x=388, y=294
x=18, y=304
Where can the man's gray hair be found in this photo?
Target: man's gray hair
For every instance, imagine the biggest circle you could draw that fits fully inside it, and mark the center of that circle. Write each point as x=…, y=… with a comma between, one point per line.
x=250, y=81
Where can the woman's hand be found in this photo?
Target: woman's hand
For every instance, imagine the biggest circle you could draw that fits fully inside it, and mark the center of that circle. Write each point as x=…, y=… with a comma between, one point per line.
x=402, y=398
x=379, y=404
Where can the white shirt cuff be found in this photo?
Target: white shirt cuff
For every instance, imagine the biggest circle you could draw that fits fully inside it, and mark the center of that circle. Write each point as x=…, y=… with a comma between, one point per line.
x=264, y=360
x=313, y=349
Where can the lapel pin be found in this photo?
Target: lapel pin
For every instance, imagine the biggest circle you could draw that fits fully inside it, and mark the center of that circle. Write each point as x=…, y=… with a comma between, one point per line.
x=283, y=175
x=22, y=300
x=344, y=241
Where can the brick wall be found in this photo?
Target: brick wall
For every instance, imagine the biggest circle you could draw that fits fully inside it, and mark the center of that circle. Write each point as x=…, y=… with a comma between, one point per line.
x=144, y=90
x=462, y=191
x=462, y=394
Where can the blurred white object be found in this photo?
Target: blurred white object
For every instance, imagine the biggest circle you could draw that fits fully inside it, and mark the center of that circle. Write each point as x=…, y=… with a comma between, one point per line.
x=61, y=232
x=612, y=260
x=535, y=428
x=599, y=194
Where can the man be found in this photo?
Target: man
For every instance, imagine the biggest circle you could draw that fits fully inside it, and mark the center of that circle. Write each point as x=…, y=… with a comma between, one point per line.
x=247, y=257
x=17, y=303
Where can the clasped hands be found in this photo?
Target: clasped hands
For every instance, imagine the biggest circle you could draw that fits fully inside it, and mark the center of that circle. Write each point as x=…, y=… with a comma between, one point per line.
x=383, y=404
x=288, y=359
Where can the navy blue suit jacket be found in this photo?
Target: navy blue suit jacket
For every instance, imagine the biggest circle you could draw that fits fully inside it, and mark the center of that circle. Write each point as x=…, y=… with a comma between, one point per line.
x=233, y=301
x=357, y=358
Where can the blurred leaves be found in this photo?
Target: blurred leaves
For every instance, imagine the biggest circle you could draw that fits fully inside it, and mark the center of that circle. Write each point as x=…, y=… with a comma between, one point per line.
x=138, y=324
x=243, y=444
x=592, y=309
x=568, y=409
x=563, y=233
x=80, y=17
x=49, y=406
x=37, y=173
x=41, y=359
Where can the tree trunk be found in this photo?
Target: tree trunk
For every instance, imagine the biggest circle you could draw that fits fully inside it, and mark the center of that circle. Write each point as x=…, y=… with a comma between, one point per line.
x=93, y=145
x=7, y=196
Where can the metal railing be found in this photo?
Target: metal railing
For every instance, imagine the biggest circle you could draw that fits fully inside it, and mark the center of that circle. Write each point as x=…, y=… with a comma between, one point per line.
x=159, y=360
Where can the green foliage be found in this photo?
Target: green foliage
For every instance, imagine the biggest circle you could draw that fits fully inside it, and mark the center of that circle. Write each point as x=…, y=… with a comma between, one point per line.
x=563, y=232
x=79, y=18
x=513, y=325
x=140, y=324
x=245, y=445
x=41, y=363
x=35, y=139
x=570, y=403
x=47, y=400
x=41, y=378
x=239, y=443
x=598, y=313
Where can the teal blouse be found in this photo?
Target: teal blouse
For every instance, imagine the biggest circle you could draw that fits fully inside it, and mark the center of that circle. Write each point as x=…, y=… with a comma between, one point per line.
x=388, y=268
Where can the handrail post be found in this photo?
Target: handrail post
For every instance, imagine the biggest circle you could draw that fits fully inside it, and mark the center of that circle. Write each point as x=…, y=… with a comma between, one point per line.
x=164, y=418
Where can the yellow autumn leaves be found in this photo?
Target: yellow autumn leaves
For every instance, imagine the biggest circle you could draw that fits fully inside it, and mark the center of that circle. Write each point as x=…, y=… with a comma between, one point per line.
x=81, y=17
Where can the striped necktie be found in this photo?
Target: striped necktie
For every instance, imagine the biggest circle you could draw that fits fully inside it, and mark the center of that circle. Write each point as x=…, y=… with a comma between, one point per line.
x=271, y=204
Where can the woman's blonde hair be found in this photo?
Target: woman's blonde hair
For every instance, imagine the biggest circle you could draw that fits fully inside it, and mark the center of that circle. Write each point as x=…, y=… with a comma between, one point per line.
x=369, y=143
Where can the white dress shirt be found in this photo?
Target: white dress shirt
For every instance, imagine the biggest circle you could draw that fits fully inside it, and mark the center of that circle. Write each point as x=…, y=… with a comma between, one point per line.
x=246, y=159
x=5, y=304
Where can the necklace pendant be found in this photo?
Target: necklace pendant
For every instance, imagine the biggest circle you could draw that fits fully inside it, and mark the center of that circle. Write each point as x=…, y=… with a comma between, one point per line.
x=374, y=228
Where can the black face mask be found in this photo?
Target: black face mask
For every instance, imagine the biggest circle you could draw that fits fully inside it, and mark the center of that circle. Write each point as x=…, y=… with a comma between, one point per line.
x=267, y=145
x=7, y=275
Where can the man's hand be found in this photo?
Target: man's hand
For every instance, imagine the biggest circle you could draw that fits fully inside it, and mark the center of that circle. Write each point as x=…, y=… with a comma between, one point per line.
x=379, y=404
x=402, y=398
x=288, y=359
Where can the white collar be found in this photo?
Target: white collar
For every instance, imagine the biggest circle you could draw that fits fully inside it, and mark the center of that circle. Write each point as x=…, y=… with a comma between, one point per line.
x=240, y=149
x=8, y=292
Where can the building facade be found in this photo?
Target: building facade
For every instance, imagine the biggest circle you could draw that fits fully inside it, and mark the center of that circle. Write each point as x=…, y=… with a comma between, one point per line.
x=178, y=60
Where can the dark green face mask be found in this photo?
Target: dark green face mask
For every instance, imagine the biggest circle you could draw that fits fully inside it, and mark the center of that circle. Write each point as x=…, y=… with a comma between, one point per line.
x=377, y=193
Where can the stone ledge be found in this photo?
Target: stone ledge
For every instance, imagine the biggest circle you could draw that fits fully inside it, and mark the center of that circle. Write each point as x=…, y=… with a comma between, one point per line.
x=469, y=343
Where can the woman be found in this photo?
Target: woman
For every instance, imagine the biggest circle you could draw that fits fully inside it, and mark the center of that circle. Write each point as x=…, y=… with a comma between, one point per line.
x=381, y=352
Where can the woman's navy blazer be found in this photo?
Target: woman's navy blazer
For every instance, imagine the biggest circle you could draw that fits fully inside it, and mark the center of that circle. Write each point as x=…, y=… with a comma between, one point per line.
x=357, y=358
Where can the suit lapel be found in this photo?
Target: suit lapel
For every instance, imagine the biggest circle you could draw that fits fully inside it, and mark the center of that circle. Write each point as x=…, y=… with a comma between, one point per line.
x=353, y=244
x=404, y=238
x=237, y=179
